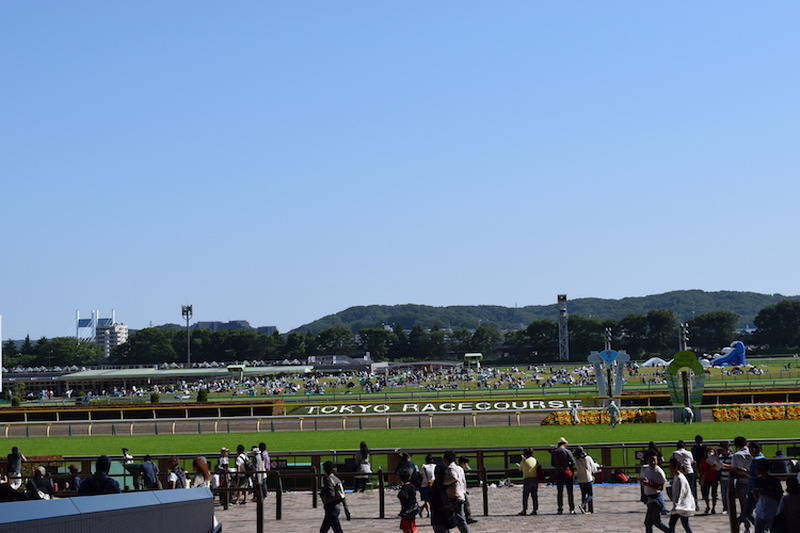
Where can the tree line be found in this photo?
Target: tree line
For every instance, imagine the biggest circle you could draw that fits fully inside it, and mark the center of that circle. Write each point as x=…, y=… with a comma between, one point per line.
x=655, y=333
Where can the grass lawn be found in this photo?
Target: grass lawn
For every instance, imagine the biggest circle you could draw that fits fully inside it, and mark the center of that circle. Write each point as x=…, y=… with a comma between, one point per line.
x=433, y=438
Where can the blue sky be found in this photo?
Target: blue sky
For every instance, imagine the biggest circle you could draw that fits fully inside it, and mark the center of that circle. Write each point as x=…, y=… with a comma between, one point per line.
x=281, y=161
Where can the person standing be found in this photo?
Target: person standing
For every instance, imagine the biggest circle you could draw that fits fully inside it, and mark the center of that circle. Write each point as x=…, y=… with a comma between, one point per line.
x=177, y=476
x=463, y=462
x=755, y=452
x=709, y=479
x=530, y=481
x=574, y=418
x=683, y=504
x=363, y=467
x=409, y=508
x=789, y=507
x=202, y=475
x=585, y=469
x=428, y=471
x=267, y=465
x=242, y=475
x=723, y=467
x=739, y=468
x=150, y=473
x=652, y=479
x=14, y=461
x=698, y=453
x=332, y=494
x=455, y=481
x=563, y=462
x=613, y=414
x=686, y=460
x=767, y=493
x=443, y=516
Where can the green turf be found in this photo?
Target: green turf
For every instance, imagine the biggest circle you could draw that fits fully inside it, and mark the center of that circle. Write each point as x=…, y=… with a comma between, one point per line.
x=434, y=438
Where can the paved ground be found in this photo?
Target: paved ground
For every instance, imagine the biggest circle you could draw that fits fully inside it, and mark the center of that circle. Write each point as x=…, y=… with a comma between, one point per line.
x=617, y=509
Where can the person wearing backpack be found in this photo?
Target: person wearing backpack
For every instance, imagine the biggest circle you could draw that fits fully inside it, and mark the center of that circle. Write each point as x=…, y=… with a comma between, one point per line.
x=177, y=476
x=244, y=470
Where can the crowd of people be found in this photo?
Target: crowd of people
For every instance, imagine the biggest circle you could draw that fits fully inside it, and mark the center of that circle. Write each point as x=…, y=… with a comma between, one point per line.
x=247, y=473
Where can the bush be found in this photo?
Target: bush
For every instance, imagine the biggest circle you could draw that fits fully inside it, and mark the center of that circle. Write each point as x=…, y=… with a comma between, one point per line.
x=15, y=401
x=202, y=395
x=155, y=397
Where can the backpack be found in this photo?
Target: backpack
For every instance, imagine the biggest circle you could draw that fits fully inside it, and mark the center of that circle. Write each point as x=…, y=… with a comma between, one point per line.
x=181, y=474
x=249, y=466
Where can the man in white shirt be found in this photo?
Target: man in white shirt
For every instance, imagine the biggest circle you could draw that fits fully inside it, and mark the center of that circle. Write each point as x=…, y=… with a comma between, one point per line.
x=739, y=467
x=456, y=483
x=686, y=460
x=653, y=479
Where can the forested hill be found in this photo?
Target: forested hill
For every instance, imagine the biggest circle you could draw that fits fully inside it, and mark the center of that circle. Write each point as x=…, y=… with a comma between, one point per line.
x=683, y=303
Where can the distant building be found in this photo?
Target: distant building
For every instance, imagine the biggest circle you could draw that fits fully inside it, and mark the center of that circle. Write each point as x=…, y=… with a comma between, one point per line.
x=109, y=335
x=221, y=326
x=105, y=332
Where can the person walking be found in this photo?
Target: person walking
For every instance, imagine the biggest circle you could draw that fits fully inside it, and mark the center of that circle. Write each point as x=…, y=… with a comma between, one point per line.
x=333, y=501
x=613, y=414
x=686, y=460
x=363, y=467
x=530, y=481
x=428, y=473
x=585, y=469
x=652, y=479
x=683, y=504
x=563, y=462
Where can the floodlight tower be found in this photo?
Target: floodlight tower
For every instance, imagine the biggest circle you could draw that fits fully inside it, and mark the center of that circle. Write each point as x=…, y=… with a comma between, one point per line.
x=186, y=312
x=563, y=328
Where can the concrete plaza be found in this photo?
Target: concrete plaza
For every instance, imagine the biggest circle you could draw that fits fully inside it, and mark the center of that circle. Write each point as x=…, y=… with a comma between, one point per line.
x=617, y=509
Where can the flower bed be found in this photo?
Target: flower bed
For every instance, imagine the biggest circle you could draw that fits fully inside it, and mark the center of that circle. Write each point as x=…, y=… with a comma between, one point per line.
x=735, y=413
x=626, y=416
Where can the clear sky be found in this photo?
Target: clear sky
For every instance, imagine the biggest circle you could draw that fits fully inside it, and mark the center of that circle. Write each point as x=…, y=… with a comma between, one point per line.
x=278, y=161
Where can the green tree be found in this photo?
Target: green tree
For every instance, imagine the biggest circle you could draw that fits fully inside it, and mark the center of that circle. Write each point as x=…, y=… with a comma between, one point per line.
x=485, y=340
x=418, y=343
x=148, y=345
x=336, y=340
x=632, y=334
x=712, y=331
x=27, y=347
x=662, y=332
x=400, y=349
x=779, y=325
x=377, y=341
x=543, y=335
x=65, y=351
x=586, y=334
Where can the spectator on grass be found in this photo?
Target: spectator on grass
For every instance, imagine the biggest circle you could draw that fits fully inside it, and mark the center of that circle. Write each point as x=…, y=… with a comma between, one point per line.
x=100, y=482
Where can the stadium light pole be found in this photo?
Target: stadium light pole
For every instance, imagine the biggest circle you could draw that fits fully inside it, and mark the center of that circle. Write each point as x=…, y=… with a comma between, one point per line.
x=186, y=312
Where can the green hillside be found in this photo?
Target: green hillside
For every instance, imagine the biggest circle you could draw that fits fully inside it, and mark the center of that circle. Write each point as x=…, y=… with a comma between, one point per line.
x=683, y=303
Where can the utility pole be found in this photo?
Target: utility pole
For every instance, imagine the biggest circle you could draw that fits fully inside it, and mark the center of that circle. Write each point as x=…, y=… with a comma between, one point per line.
x=186, y=312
